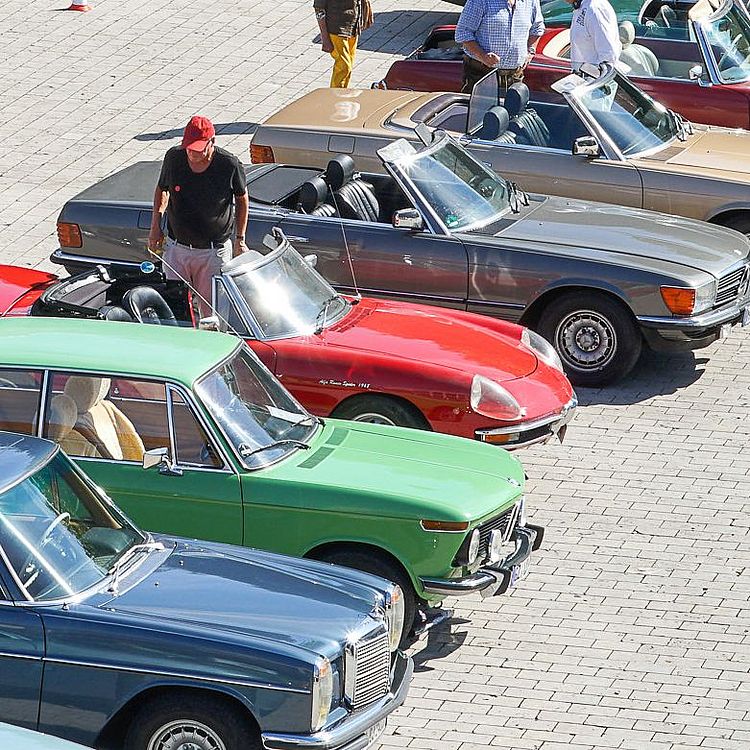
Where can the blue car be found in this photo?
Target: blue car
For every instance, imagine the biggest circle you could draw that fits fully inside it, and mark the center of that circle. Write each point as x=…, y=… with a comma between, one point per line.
x=113, y=637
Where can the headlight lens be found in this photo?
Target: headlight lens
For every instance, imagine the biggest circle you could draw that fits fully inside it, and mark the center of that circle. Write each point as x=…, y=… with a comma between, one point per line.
x=492, y=400
x=395, y=616
x=473, y=552
x=322, y=693
x=542, y=347
x=522, y=511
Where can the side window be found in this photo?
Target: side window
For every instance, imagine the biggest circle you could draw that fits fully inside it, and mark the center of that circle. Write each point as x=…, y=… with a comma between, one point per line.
x=20, y=392
x=194, y=447
x=102, y=417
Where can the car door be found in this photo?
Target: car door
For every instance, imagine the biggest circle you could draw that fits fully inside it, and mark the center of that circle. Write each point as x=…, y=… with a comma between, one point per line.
x=194, y=492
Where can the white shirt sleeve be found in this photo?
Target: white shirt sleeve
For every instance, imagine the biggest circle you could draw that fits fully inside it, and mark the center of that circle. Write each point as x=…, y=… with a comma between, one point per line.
x=601, y=25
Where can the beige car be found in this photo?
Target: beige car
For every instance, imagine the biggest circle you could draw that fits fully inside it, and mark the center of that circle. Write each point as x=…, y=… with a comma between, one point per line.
x=601, y=139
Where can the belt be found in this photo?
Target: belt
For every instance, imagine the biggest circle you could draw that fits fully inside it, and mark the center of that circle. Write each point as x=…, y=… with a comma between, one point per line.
x=472, y=62
x=213, y=245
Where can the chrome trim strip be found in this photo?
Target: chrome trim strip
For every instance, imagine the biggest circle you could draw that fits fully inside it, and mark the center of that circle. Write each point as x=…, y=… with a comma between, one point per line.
x=26, y=657
x=564, y=416
x=696, y=322
x=179, y=675
x=42, y=404
x=90, y=260
x=415, y=295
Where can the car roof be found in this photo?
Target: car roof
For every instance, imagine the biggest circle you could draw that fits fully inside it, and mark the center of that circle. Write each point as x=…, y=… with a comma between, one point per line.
x=21, y=455
x=168, y=352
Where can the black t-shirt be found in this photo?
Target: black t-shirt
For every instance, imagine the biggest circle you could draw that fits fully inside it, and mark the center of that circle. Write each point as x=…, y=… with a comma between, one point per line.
x=201, y=204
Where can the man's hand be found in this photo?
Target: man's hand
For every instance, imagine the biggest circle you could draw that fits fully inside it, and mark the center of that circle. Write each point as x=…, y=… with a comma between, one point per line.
x=156, y=240
x=238, y=247
x=325, y=43
x=490, y=59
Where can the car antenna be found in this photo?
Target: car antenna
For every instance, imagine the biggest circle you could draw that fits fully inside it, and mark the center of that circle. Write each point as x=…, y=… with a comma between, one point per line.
x=357, y=293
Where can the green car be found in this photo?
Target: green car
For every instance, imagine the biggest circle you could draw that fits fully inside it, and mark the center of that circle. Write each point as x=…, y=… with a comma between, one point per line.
x=191, y=435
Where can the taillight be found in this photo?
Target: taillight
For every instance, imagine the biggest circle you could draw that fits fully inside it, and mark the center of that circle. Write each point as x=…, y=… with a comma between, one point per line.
x=69, y=235
x=261, y=154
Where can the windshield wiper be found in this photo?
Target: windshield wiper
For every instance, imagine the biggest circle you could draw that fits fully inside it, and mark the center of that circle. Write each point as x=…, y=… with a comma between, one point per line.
x=245, y=452
x=118, y=567
x=319, y=326
x=516, y=197
x=683, y=127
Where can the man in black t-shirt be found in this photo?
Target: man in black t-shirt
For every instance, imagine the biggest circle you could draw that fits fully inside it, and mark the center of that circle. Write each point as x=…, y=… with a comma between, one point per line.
x=202, y=190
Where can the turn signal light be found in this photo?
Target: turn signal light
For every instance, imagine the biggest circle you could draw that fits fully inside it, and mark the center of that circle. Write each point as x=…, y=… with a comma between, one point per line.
x=261, y=154
x=69, y=235
x=445, y=525
x=680, y=301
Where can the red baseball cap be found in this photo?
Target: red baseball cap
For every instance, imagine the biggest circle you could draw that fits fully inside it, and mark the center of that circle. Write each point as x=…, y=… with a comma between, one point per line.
x=198, y=132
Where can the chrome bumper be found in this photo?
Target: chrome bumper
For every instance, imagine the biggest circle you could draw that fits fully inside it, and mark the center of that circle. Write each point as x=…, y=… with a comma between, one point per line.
x=694, y=323
x=352, y=732
x=528, y=432
x=491, y=580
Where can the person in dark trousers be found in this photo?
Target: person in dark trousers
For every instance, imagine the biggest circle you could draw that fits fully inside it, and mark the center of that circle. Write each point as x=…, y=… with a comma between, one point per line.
x=341, y=22
x=498, y=35
x=203, y=192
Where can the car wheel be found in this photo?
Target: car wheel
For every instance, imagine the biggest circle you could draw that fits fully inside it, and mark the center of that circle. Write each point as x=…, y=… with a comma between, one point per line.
x=181, y=721
x=596, y=337
x=739, y=224
x=371, y=563
x=381, y=410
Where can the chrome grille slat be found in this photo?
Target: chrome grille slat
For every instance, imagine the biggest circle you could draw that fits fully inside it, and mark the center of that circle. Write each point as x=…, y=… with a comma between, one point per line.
x=729, y=285
x=498, y=523
x=372, y=658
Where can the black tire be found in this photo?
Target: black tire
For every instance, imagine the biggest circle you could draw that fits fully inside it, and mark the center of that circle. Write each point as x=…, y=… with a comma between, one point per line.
x=213, y=720
x=596, y=337
x=381, y=410
x=371, y=563
x=739, y=224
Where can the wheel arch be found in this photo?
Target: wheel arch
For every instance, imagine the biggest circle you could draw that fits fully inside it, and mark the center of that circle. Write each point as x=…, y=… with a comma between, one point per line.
x=726, y=214
x=113, y=733
x=403, y=401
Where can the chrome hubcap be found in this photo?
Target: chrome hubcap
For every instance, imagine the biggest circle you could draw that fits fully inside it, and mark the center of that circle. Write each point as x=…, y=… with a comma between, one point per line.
x=185, y=734
x=586, y=340
x=373, y=418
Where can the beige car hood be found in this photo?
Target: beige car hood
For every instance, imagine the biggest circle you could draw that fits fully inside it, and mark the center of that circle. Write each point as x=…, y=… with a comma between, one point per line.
x=720, y=152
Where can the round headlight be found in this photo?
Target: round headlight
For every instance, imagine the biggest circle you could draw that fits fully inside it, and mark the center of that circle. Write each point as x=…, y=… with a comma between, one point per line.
x=395, y=616
x=490, y=399
x=543, y=349
x=322, y=692
x=473, y=551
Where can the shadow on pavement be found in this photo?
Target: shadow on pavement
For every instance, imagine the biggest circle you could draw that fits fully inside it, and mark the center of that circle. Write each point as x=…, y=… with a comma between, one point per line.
x=655, y=374
x=439, y=643
x=222, y=128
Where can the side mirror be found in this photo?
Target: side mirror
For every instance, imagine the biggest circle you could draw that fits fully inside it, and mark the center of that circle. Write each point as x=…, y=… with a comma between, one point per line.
x=408, y=218
x=211, y=323
x=696, y=74
x=586, y=146
x=311, y=260
x=160, y=457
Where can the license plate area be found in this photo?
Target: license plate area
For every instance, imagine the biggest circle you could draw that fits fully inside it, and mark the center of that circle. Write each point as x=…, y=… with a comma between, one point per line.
x=745, y=316
x=373, y=733
x=520, y=571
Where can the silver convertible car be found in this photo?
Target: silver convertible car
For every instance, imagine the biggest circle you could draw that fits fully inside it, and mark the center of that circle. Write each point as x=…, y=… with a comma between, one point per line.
x=439, y=227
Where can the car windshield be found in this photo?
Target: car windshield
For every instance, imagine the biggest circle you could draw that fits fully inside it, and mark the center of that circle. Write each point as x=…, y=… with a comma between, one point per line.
x=261, y=419
x=728, y=38
x=58, y=536
x=632, y=119
x=462, y=192
x=285, y=296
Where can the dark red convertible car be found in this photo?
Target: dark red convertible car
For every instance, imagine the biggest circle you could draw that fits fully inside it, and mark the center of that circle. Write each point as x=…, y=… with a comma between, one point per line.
x=354, y=358
x=694, y=60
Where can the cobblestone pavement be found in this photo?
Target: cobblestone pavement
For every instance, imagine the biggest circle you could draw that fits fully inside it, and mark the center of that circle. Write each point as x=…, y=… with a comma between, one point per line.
x=631, y=630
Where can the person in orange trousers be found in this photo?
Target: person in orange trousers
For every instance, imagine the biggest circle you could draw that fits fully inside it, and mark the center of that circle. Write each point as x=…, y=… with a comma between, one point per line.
x=341, y=22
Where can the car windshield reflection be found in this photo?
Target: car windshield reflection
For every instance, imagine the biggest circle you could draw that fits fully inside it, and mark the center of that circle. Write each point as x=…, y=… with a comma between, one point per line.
x=462, y=192
x=727, y=36
x=58, y=535
x=260, y=418
x=284, y=295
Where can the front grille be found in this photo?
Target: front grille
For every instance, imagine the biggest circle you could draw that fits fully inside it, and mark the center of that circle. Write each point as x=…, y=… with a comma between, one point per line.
x=729, y=285
x=372, y=661
x=504, y=523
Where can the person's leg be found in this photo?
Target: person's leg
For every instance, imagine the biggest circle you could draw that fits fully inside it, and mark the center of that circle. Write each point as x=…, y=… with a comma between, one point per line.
x=176, y=261
x=474, y=71
x=207, y=264
x=343, y=60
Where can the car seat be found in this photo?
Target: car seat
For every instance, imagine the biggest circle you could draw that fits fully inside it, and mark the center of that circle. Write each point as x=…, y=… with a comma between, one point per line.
x=115, y=312
x=353, y=198
x=495, y=126
x=146, y=305
x=525, y=123
x=61, y=422
x=312, y=198
x=101, y=422
x=641, y=60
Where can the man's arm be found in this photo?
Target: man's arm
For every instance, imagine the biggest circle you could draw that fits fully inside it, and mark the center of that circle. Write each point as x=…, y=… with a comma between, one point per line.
x=155, y=235
x=466, y=29
x=321, y=6
x=537, y=27
x=605, y=34
x=240, y=224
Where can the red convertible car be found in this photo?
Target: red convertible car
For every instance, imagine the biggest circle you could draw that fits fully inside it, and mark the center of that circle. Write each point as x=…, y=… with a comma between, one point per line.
x=694, y=59
x=348, y=357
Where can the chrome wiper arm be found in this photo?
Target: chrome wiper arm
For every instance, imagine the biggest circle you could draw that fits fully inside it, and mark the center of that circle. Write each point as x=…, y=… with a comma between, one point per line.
x=286, y=441
x=513, y=197
x=319, y=326
x=119, y=566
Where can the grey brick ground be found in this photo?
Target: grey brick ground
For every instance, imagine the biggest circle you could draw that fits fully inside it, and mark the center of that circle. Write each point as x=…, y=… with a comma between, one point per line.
x=632, y=630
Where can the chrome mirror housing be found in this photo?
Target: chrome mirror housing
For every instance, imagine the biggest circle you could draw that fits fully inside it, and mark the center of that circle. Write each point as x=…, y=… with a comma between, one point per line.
x=160, y=457
x=311, y=260
x=408, y=218
x=586, y=146
x=696, y=74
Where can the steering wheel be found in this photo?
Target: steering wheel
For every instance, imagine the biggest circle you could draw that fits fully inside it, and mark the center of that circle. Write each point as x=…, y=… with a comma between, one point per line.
x=5, y=383
x=727, y=56
x=55, y=522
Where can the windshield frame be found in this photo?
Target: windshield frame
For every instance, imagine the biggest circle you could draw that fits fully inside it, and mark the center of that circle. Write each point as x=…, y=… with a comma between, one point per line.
x=144, y=537
x=700, y=26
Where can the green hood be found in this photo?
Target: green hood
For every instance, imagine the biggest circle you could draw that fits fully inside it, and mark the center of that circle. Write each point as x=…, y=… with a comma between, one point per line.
x=401, y=473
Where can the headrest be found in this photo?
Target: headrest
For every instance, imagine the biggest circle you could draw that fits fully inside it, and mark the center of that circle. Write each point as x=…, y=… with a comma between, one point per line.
x=627, y=33
x=516, y=99
x=494, y=123
x=146, y=305
x=115, y=312
x=313, y=193
x=63, y=414
x=86, y=392
x=339, y=171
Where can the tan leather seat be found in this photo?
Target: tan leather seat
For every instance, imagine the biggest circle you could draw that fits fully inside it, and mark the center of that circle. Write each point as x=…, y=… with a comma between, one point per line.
x=101, y=422
x=641, y=60
x=63, y=415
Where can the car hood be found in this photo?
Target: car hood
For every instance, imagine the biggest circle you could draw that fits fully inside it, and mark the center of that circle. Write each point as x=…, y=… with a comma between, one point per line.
x=621, y=231
x=16, y=283
x=252, y=593
x=394, y=472
x=433, y=337
x=720, y=152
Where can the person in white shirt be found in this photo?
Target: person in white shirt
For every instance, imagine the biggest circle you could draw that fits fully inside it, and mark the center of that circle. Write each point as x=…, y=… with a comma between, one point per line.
x=594, y=36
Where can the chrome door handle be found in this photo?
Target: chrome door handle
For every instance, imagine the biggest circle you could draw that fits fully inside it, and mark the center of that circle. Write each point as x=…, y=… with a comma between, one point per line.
x=291, y=238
